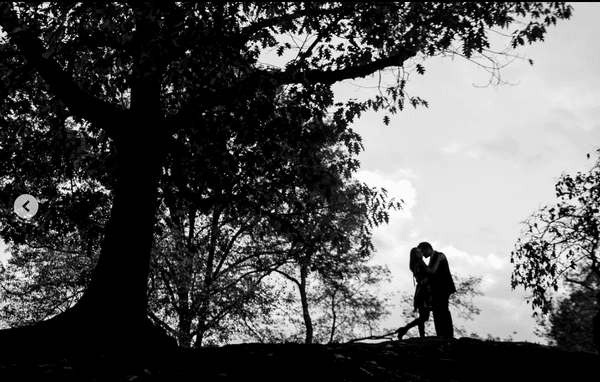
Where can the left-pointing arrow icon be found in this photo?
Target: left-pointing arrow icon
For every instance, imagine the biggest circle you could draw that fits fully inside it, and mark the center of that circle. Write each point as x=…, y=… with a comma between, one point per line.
x=26, y=206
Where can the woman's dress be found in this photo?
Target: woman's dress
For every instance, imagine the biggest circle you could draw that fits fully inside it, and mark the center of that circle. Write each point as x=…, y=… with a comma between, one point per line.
x=422, y=298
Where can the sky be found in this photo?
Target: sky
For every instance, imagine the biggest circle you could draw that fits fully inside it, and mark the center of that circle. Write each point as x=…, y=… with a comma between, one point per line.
x=478, y=161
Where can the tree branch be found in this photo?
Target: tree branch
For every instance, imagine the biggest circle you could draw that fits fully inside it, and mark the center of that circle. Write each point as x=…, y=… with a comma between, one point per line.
x=387, y=335
x=580, y=283
x=79, y=102
x=246, y=34
x=159, y=322
x=288, y=277
x=265, y=79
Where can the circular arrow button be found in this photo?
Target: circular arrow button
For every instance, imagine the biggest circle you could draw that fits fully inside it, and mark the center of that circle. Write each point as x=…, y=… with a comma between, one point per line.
x=26, y=206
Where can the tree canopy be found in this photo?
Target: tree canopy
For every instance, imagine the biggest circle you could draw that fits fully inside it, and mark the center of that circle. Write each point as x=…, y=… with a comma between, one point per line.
x=560, y=246
x=560, y=242
x=134, y=83
x=569, y=322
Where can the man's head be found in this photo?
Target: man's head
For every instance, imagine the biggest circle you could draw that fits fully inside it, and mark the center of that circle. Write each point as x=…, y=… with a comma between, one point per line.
x=426, y=249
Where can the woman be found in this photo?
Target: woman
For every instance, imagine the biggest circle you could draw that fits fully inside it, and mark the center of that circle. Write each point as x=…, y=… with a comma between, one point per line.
x=422, y=301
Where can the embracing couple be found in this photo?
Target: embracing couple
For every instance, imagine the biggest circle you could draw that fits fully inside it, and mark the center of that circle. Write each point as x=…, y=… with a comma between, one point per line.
x=434, y=287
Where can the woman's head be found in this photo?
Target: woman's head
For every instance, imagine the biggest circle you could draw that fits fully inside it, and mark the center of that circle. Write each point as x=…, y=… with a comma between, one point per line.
x=415, y=255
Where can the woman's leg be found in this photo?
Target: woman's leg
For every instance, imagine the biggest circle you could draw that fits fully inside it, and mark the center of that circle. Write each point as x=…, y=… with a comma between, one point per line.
x=423, y=317
x=404, y=329
x=413, y=323
x=420, y=322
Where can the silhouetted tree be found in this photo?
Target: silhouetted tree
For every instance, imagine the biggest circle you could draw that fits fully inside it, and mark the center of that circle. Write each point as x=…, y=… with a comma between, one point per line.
x=329, y=234
x=569, y=322
x=352, y=306
x=561, y=242
x=147, y=76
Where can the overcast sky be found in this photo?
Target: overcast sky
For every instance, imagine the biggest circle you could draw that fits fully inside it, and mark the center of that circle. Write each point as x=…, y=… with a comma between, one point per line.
x=479, y=161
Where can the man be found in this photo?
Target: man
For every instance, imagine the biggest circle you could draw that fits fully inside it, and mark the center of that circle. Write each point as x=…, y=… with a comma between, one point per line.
x=442, y=286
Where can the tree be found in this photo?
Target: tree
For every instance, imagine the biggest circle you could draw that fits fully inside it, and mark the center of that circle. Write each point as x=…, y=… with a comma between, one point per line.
x=328, y=230
x=206, y=269
x=569, y=322
x=198, y=268
x=148, y=74
x=350, y=306
x=215, y=269
x=52, y=261
x=560, y=243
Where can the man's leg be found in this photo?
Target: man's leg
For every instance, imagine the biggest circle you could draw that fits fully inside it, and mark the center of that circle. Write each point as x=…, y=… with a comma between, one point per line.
x=442, y=317
x=437, y=314
x=449, y=326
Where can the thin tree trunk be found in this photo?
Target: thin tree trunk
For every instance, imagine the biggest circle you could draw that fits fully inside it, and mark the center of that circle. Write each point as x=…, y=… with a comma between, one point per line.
x=304, y=300
x=333, y=317
x=199, y=337
x=185, y=286
x=185, y=330
x=208, y=279
x=596, y=322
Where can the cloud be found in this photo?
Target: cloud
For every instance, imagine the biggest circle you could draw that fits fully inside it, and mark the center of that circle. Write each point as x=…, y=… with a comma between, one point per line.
x=395, y=187
x=495, y=261
x=504, y=144
x=466, y=263
x=488, y=283
x=404, y=173
x=571, y=98
x=475, y=153
x=388, y=239
x=451, y=147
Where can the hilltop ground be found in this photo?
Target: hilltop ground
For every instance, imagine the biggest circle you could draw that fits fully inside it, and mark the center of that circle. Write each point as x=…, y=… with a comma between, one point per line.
x=415, y=359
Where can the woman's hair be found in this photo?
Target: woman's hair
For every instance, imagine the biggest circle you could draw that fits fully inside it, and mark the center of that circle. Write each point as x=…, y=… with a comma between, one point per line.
x=413, y=258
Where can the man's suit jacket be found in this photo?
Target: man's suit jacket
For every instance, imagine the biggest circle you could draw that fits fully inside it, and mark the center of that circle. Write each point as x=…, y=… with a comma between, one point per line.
x=441, y=281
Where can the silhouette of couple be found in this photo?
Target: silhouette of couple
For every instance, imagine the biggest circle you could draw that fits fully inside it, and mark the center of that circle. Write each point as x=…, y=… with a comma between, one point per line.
x=433, y=290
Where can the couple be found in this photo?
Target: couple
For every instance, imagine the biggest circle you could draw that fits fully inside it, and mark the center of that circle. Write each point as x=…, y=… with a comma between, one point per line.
x=434, y=287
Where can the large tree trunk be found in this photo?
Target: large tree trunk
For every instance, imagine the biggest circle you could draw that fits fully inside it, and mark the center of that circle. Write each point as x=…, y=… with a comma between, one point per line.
x=121, y=275
x=113, y=308
x=112, y=313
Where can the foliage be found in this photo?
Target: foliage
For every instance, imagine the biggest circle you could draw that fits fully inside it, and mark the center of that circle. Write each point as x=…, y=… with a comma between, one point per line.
x=493, y=338
x=169, y=96
x=353, y=305
x=568, y=323
x=462, y=301
x=37, y=284
x=207, y=269
x=560, y=242
x=53, y=256
x=330, y=234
